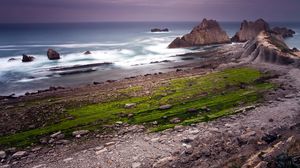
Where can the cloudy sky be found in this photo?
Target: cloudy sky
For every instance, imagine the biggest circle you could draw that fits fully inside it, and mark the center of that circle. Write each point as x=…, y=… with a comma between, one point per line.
x=146, y=10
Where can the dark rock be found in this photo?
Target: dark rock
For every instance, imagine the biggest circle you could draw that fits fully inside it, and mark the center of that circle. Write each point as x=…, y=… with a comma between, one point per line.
x=284, y=32
x=269, y=138
x=27, y=58
x=52, y=54
x=192, y=110
x=87, y=53
x=249, y=30
x=295, y=49
x=12, y=59
x=159, y=30
x=97, y=83
x=208, y=32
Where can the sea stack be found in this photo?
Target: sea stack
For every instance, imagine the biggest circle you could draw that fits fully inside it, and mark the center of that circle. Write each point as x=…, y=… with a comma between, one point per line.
x=52, y=54
x=206, y=33
x=27, y=58
x=249, y=30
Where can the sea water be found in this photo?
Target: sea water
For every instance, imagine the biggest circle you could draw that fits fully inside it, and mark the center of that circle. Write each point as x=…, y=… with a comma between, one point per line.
x=125, y=44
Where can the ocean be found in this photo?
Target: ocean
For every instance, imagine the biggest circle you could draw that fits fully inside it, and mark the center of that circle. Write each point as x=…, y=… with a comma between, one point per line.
x=128, y=45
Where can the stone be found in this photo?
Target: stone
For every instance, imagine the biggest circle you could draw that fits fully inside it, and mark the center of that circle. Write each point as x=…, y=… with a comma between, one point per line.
x=2, y=154
x=192, y=110
x=162, y=162
x=67, y=159
x=52, y=54
x=87, y=53
x=248, y=135
x=175, y=120
x=119, y=122
x=269, y=138
x=206, y=33
x=19, y=154
x=80, y=133
x=55, y=134
x=27, y=58
x=136, y=165
x=130, y=105
x=63, y=142
x=109, y=143
x=159, y=30
x=101, y=151
x=165, y=107
x=249, y=30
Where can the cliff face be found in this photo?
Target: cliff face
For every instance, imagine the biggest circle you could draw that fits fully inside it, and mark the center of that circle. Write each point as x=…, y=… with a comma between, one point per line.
x=249, y=30
x=208, y=32
x=267, y=47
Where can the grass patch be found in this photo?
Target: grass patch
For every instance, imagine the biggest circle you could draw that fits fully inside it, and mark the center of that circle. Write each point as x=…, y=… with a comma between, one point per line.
x=212, y=96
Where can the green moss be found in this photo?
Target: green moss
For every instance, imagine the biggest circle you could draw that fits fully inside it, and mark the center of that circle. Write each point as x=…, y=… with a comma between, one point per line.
x=220, y=92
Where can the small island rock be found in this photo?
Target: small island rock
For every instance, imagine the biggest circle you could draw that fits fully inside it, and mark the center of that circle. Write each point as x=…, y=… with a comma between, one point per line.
x=27, y=58
x=52, y=54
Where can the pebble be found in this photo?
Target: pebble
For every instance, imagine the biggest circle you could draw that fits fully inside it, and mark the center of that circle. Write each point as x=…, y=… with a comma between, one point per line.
x=39, y=166
x=110, y=143
x=165, y=107
x=80, y=133
x=67, y=159
x=55, y=134
x=19, y=154
x=101, y=151
x=2, y=154
x=136, y=165
x=130, y=105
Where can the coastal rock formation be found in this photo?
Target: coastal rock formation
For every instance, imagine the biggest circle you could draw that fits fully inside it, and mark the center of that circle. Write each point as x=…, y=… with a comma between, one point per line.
x=284, y=32
x=87, y=53
x=52, y=54
x=249, y=30
x=208, y=32
x=268, y=47
x=27, y=58
x=159, y=30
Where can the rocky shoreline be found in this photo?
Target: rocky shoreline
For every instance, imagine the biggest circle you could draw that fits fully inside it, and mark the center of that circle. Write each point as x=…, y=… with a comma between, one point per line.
x=237, y=106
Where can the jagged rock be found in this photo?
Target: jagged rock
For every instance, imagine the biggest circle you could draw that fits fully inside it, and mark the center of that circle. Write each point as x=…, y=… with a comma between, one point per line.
x=87, y=53
x=159, y=30
x=267, y=47
x=283, y=31
x=27, y=58
x=2, y=154
x=80, y=133
x=52, y=54
x=19, y=154
x=249, y=30
x=208, y=32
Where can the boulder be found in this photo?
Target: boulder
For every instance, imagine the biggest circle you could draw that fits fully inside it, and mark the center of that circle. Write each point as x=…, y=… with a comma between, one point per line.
x=87, y=53
x=249, y=30
x=283, y=31
x=27, y=58
x=206, y=33
x=159, y=30
x=52, y=54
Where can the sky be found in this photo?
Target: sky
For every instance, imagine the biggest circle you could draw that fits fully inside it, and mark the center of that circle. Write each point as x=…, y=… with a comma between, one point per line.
x=32, y=11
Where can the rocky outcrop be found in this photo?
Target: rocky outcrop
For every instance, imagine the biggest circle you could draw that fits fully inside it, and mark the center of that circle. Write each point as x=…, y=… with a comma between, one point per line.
x=284, y=32
x=27, y=58
x=208, y=32
x=249, y=30
x=159, y=30
x=87, y=53
x=268, y=47
x=52, y=54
